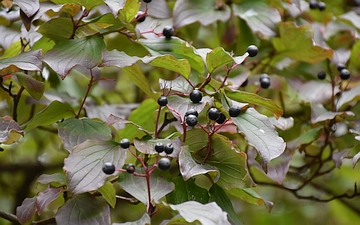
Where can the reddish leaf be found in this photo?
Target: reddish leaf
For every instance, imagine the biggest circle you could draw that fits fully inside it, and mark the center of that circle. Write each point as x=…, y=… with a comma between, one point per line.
x=10, y=130
x=26, y=210
x=278, y=168
x=47, y=196
x=356, y=159
x=319, y=113
x=339, y=156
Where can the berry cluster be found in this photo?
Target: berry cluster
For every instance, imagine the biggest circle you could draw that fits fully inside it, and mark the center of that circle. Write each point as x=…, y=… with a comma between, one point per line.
x=265, y=81
x=344, y=73
x=313, y=4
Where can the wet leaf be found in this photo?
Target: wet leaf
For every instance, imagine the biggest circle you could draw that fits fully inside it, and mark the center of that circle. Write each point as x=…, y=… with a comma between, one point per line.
x=84, y=164
x=31, y=60
x=46, y=197
x=205, y=12
x=78, y=211
x=26, y=210
x=67, y=54
x=209, y=214
x=136, y=186
x=218, y=195
x=10, y=130
x=109, y=193
x=34, y=87
x=187, y=191
x=260, y=134
x=75, y=131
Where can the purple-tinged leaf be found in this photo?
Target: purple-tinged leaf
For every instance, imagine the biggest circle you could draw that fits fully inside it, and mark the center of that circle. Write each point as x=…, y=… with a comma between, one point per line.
x=304, y=139
x=54, y=112
x=209, y=214
x=109, y=193
x=75, y=131
x=320, y=114
x=348, y=96
x=250, y=196
x=178, y=84
x=206, y=12
x=34, y=87
x=10, y=130
x=260, y=17
x=278, y=168
x=352, y=17
x=84, y=209
x=84, y=164
x=148, y=146
x=115, y=6
x=58, y=178
x=29, y=7
x=339, y=156
x=47, y=196
x=9, y=36
x=182, y=105
x=144, y=220
x=260, y=134
x=88, y=4
x=121, y=60
x=136, y=186
x=112, y=120
x=189, y=168
x=31, y=60
x=67, y=54
x=356, y=159
x=157, y=9
x=282, y=123
x=26, y=210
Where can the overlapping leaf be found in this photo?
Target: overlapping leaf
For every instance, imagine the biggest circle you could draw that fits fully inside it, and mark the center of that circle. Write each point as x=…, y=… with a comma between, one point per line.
x=144, y=220
x=109, y=193
x=219, y=57
x=10, y=130
x=148, y=146
x=78, y=211
x=319, y=113
x=88, y=4
x=75, y=131
x=182, y=105
x=31, y=60
x=29, y=7
x=84, y=164
x=34, y=87
x=250, y=196
x=47, y=196
x=187, y=191
x=26, y=210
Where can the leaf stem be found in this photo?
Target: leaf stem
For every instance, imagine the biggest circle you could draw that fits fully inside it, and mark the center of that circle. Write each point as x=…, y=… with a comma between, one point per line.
x=86, y=94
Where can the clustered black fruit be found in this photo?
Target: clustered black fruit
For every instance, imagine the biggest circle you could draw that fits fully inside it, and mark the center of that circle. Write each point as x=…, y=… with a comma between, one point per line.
x=313, y=4
x=162, y=100
x=344, y=73
x=147, y=1
x=164, y=163
x=265, y=81
x=213, y=113
x=196, y=96
x=108, y=168
x=168, y=32
x=221, y=119
x=192, y=112
x=321, y=75
x=191, y=120
x=159, y=147
x=130, y=168
x=125, y=143
x=252, y=50
x=169, y=148
x=140, y=17
x=234, y=111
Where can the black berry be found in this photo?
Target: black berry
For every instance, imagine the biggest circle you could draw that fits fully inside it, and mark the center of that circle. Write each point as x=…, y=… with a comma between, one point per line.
x=321, y=6
x=234, y=111
x=140, y=17
x=130, y=168
x=108, y=168
x=321, y=75
x=213, y=113
x=252, y=50
x=168, y=32
x=340, y=67
x=221, y=119
x=245, y=83
x=147, y=1
x=265, y=81
x=344, y=74
x=196, y=96
x=159, y=147
x=162, y=101
x=192, y=112
x=169, y=148
x=164, y=163
x=313, y=4
x=125, y=143
x=191, y=120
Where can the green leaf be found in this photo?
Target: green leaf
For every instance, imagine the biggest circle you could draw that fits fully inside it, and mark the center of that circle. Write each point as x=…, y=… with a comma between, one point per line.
x=354, y=57
x=219, y=57
x=218, y=195
x=176, y=47
x=142, y=116
x=57, y=29
x=297, y=43
x=84, y=209
x=209, y=214
x=137, y=187
x=129, y=11
x=319, y=113
x=67, y=54
x=75, y=131
x=84, y=165
x=250, y=196
x=31, y=60
x=139, y=79
x=58, y=178
x=109, y=193
x=121, y=60
x=54, y=112
x=88, y=4
x=306, y=138
x=189, y=168
x=187, y=191
x=260, y=134
x=205, y=12
x=251, y=98
x=34, y=87
x=144, y=220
